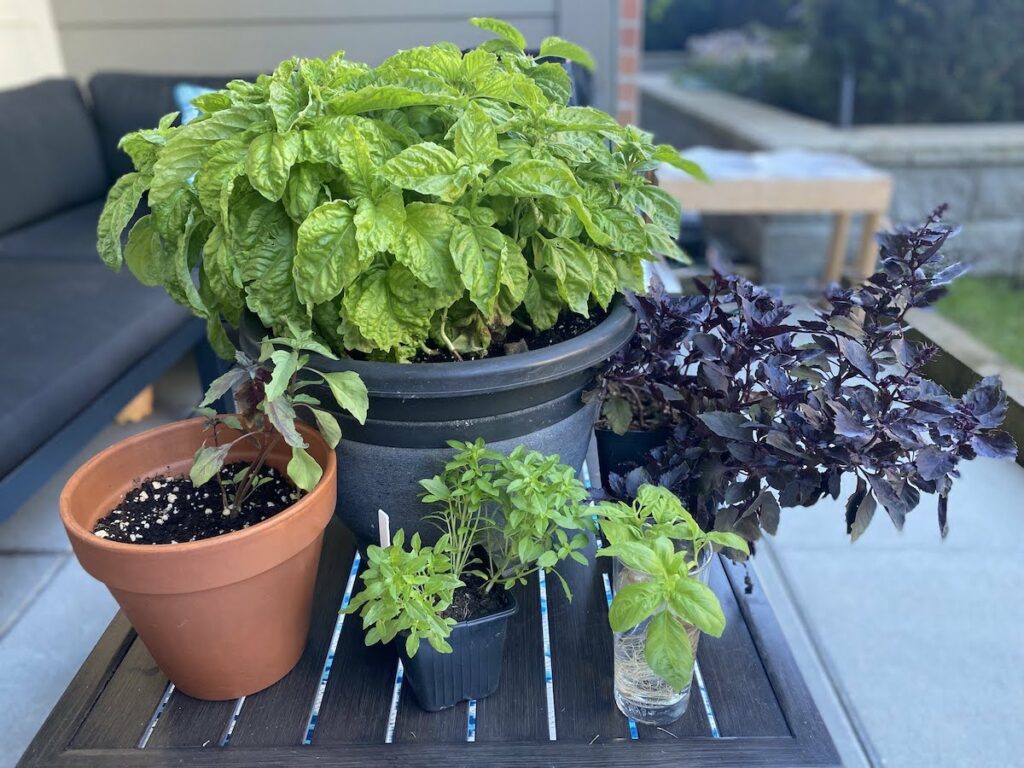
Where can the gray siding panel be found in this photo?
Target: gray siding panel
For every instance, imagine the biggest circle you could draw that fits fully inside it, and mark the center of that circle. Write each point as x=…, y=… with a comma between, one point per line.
x=230, y=36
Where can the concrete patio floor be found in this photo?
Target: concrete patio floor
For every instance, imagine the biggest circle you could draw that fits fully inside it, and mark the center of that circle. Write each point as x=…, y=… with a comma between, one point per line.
x=911, y=646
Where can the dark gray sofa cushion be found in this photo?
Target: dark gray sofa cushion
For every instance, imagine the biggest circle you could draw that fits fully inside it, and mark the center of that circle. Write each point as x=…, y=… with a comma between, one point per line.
x=124, y=102
x=67, y=332
x=66, y=236
x=49, y=153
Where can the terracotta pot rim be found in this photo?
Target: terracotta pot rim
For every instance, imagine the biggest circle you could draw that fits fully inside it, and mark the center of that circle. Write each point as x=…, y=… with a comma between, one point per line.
x=88, y=538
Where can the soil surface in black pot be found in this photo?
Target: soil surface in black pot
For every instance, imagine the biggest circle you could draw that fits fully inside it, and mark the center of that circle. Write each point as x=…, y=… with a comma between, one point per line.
x=170, y=510
x=518, y=339
x=471, y=602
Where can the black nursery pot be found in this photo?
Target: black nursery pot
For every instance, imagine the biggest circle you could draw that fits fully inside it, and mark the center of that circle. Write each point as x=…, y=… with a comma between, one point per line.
x=471, y=671
x=620, y=453
x=531, y=399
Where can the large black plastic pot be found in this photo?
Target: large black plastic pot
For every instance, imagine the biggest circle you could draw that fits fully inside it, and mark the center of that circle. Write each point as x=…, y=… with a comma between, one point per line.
x=531, y=399
x=620, y=453
x=471, y=671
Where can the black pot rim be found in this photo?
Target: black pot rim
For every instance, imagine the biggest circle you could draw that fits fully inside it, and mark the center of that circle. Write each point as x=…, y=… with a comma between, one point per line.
x=634, y=432
x=504, y=613
x=484, y=376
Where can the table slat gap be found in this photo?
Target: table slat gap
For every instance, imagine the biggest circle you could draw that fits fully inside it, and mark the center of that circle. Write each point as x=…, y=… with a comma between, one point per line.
x=357, y=699
x=518, y=711
x=416, y=724
x=124, y=708
x=737, y=685
x=581, y=656
x=279, y=715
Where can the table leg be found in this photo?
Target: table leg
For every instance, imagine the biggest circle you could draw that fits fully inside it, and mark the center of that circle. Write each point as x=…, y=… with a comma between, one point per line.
x=837, y=249
x=867, y=253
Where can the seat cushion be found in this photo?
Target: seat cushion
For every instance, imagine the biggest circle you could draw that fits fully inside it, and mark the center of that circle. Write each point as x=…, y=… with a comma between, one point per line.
x=49, y=153
x=67, y=332
x=67, y=236
x=124, y=102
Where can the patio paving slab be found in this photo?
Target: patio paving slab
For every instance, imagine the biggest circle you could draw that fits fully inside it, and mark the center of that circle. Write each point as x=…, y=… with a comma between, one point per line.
x=921, y=637
x=43, y=650
x=22, y=578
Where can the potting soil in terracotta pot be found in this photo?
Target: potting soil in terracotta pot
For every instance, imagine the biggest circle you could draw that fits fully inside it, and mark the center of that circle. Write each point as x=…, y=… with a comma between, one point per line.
x=170, y=510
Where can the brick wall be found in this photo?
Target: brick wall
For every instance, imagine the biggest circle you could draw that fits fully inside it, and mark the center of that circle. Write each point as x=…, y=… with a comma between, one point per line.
x=630, y=50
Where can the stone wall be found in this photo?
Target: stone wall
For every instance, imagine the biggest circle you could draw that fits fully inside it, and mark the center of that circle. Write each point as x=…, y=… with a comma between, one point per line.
x=977, y=169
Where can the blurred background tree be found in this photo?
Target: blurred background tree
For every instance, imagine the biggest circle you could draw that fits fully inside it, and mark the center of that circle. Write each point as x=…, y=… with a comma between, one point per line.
x=892, y=61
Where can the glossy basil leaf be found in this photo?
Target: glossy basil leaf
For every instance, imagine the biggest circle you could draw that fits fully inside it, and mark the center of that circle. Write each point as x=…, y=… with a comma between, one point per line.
x=424, y=247
x=427, y=168
x=303, y=469
x=695, y=603
x=208, y=462
x=563, y=49
x=668, y=651
x=478, y=253
x=327, y=256
x=349, y=392
x=379, y=221
x=633, y=604
x=269, y=161
x=122, y=201
x=501, y=28
x=534, y=178
x=475, y=139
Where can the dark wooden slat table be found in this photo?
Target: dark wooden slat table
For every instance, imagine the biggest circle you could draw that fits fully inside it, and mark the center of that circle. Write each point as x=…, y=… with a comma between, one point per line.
x=344, y=705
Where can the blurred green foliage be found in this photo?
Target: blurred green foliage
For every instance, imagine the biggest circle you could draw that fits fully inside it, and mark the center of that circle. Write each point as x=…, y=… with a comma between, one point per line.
x=992, y=310
x=914, y=61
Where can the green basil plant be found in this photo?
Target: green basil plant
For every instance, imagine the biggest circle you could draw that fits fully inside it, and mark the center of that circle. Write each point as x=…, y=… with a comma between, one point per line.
x=660, y=542
x=420, y=206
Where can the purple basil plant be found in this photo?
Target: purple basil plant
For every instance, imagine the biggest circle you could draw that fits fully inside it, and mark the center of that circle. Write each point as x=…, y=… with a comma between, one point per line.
x=771, y=411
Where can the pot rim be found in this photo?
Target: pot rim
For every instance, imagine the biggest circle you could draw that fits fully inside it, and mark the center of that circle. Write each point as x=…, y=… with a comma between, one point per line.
x=486, y=375
x=89, y=539
x=504, y=613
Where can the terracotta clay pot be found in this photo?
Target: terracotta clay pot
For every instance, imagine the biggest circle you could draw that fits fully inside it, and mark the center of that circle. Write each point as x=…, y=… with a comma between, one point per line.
x=223, y=617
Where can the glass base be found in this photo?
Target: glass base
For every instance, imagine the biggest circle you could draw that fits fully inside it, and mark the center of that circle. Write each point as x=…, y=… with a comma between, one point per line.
x=654, y=712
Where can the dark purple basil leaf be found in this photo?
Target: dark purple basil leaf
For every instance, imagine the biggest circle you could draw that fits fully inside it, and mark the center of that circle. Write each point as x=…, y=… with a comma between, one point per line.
x=928, y=390
x=932, y=463
x=790, y=494
x=739, y=492
x=812, y=415
x=733, y=426
x=925, y=409
x=986, y=400
x=768, y=512
x=994, y=444
x=742, y=452
x=847, y=424
x=709, y=346
x=898, y=497
x=779, y=440
x=858, y=357
x=943, y=514
x=282, y=417
x=860, y=509
x=949, y=274
x=833, y=483
x=714, y=377
x=905, y=433
x=847, y=325
x=929, y=297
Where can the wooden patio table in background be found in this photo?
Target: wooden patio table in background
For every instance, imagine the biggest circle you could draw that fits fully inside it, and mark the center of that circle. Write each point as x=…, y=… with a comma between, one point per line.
x=790, y=182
